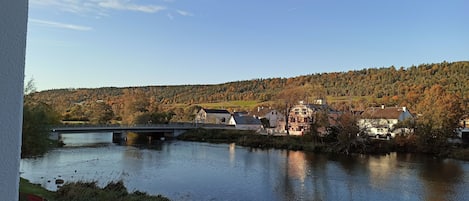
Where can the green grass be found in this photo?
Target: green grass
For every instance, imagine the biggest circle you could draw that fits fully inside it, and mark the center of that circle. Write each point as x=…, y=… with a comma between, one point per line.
x=347, y=98
x=85, y=191
x=28, y=188
x=231, y=104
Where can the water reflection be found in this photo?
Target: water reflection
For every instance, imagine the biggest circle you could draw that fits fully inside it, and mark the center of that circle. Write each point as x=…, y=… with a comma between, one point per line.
x=380, y=170
x=88, y=139
x=232, y=148
x=202, y=171
x=440, y=179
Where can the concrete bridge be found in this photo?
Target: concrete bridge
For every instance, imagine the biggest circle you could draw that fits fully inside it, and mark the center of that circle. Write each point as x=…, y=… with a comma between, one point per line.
x=120, y=131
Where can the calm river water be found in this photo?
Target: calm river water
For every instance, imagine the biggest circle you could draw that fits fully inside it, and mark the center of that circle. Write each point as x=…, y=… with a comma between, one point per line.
x=201, y=171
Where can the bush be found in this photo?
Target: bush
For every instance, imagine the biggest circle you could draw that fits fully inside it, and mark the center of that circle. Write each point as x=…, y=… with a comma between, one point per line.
x=89, y=191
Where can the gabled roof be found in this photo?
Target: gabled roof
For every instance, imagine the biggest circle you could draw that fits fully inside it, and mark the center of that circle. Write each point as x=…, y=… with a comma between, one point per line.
x=383, y=113
x=246, y=120
x=216, y=111
x=318, y=107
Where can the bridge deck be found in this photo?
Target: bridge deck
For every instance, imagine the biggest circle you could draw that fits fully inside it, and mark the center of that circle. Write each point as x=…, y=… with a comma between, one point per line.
x=135, y=128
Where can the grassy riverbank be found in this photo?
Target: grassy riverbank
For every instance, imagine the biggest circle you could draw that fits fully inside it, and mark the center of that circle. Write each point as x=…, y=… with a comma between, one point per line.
x=27, y=188
x=85, y=191
x=249, y=139
x=306, y=143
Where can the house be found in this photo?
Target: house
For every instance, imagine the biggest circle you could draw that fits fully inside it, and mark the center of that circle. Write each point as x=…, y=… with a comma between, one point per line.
x=381, y=121
x=463, y=130
x=212, y=116
x=302, y=116
x=274, y=117
x=243, y=121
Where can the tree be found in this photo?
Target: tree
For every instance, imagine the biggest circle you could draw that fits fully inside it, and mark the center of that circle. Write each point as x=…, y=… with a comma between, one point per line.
x=290, y=96
x=100, y=113
x=440, y=109
x=75, y=113
x=135, y=103
x=153, y=118
x=319, y=126
x=348, y=134
x=37, y=120
x=30, y=87
x=440, y=112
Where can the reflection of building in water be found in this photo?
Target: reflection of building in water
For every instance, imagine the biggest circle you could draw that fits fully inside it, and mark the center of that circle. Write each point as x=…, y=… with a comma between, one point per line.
x=381, y=168
x=297, y=165
x=232, y=152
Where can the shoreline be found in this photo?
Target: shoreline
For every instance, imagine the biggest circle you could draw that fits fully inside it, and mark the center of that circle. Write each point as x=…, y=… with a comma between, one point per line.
x=83, y=191
x=306, y=143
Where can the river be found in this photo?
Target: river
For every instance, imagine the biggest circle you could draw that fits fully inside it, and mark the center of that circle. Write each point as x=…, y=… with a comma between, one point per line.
x=202, y=171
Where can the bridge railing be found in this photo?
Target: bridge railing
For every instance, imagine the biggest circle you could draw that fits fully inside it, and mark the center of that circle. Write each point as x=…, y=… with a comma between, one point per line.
x=180, y=125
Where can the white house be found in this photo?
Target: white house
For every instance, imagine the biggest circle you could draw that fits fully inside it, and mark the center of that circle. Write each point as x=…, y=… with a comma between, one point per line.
x=243, y=121
x=274, y=117
x=212, y=116
x=463, y=130
x=381, y=121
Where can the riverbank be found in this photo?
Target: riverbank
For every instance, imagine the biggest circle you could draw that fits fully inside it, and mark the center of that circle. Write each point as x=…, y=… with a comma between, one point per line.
x=84, y=191
x=307, y=143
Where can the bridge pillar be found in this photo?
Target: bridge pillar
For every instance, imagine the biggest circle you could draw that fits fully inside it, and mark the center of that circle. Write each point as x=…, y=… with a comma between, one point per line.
x=178, y=132
x=54, y=136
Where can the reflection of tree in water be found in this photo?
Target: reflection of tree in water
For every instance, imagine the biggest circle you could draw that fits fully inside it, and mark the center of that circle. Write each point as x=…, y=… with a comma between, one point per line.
x=319, y=176
x=440, y=179
x=286, y=186
x=147, y=140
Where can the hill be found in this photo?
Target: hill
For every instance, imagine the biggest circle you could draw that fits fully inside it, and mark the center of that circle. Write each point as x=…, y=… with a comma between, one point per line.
x=360, y=88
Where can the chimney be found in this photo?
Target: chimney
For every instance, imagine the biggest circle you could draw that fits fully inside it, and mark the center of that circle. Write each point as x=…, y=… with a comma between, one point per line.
x=382, y=107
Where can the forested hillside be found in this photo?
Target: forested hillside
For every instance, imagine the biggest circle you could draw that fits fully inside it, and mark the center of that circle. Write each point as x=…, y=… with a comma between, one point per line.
x=390, y=85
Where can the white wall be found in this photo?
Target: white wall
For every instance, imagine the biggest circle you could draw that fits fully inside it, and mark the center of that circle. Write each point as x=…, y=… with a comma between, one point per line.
x=13, y=23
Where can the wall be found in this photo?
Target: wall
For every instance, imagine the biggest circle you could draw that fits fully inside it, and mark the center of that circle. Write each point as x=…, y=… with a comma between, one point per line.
x=13, y=23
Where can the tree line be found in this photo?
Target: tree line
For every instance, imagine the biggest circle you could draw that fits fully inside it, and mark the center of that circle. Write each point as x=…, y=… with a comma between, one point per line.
x=404, y=86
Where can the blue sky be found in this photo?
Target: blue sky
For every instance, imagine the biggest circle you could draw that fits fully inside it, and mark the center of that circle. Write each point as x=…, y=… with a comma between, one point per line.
x=101, y=43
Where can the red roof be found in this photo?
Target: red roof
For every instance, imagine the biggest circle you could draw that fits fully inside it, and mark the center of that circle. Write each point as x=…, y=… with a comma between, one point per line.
x=383, y=112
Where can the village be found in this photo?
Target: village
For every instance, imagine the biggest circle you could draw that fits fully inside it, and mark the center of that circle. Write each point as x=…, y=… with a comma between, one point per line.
x=380, y=122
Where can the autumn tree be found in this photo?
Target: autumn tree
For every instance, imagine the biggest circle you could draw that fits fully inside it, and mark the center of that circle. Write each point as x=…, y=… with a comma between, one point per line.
x=348, y=134
x=439, y=114
x=100, y=113
x=135, y=104
x=75, y=113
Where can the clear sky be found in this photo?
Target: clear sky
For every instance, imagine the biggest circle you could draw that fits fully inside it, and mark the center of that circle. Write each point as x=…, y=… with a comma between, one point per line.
x=101, y=43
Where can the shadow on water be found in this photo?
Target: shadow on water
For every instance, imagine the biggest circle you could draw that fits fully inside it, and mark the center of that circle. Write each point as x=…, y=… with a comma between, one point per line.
x=440, y=177
x=152, y=141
